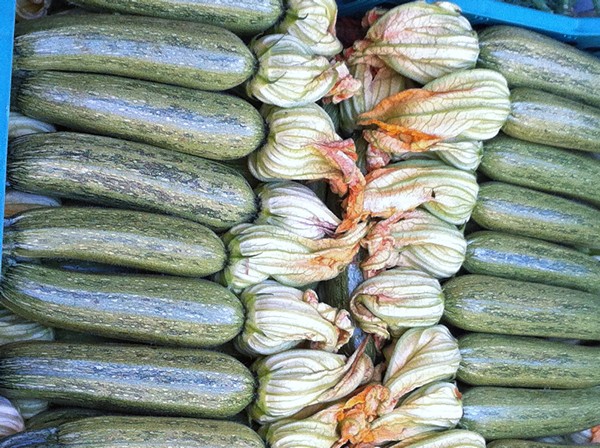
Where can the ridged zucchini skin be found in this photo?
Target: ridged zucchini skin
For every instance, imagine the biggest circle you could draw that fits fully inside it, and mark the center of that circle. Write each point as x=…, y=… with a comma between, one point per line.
x=501, y=306
x=523, y=211
x=529, y=59
x=542, y=167
x=212, y=125
x=187, y=54
x=528, y=259
x=119, y=173
x=541, y=117
x=139, y=432
x=141, y=240
x=514, y=443
x=518, y=361
x=55, y=417
x=130, y=378
x=156, y=309
x=504, y=412
x=245, y=17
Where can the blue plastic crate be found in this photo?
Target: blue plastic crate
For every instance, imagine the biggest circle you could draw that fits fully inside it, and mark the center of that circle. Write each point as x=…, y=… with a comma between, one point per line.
x=583, y=32
x=7, y=25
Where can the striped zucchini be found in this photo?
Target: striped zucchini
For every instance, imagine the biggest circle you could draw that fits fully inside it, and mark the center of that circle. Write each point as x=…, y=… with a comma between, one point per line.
x=497, y=305
x=149, y=241
x=517, y=361
x=120, y=173
x=206, y=124
x=542, y=117
x=528, y=259
x=527, y=212
x=149, y=308
x=530, y=59
x=181, y=53
x=57, y=416
x=130, y=378
x=245, y=17
x=542, y=167
x=138, y=432
x=513, y=443
x=504, y=412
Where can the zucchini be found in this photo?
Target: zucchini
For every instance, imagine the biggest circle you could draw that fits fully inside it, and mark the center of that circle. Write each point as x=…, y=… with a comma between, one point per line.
x=513, y=443
x=529, y=59
x=57, y=416
x=120, y=173
x=245, y=17
x=149, y=308
x=541, y=117
x=504, y=412
x=149, y=241
x=138, y=432
x=181, y=53
x=207, y=124
x=542, y=167
x=517, y=361
x=129, y=378
x=527, y=212
x=528, y=259
x=502, y=306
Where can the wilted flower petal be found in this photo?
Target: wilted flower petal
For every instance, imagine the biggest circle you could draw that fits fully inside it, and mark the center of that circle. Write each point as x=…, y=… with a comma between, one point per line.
x=395, y=300
x=281, y=317
x=421, y=356
x=313, y=22
x=423, y=41
x=293, y=206
x=19, y=124
x=289, y=74
x=259, y=252
x=415, y=239
x=14, y=328
x=11, y=421
x=290, y=381
x=446, y=192
x=454, y=438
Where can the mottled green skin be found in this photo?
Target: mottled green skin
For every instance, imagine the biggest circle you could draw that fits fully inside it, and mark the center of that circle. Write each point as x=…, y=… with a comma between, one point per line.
x=530, y=59
x=503, y=412
x=212, y=125
x=542, y=167
x=129, y=378
x=55, y=417
x=149, y=241
x=146, y=432
x=531, y=213
x=181, y=53
x=517, y=361
x=245, y=17
x=528, y=259
x=541, y=117
x=501, y=306
x=125, y=174
x=148, y=308
x=513, y=443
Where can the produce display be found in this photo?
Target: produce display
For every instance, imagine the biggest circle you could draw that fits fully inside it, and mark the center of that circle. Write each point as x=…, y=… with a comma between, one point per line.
x=258, y=224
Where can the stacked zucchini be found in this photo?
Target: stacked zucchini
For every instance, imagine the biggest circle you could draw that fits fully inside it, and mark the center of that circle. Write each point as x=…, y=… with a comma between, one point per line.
x=111, y=294
x=531, y=298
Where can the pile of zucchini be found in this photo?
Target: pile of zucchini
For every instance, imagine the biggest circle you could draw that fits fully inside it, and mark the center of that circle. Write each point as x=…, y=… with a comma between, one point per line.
x=185, y=266
x=530, y=299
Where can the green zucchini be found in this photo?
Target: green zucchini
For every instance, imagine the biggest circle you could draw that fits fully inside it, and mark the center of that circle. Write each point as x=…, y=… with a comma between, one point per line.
x=496, y=305
x=528, y=259
x=57, y=416
x=138, y=432
x=504, y=412
x=530, y=59
x=212, y=125
x=129, y=378
x=542, y=167
x=120, y=173
x=245, y=17
x=517, y=361
x=527, y=212
x=541, y=117
x=149, y=308
x=172, y=52
x=148, y=241
x=513, y=443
